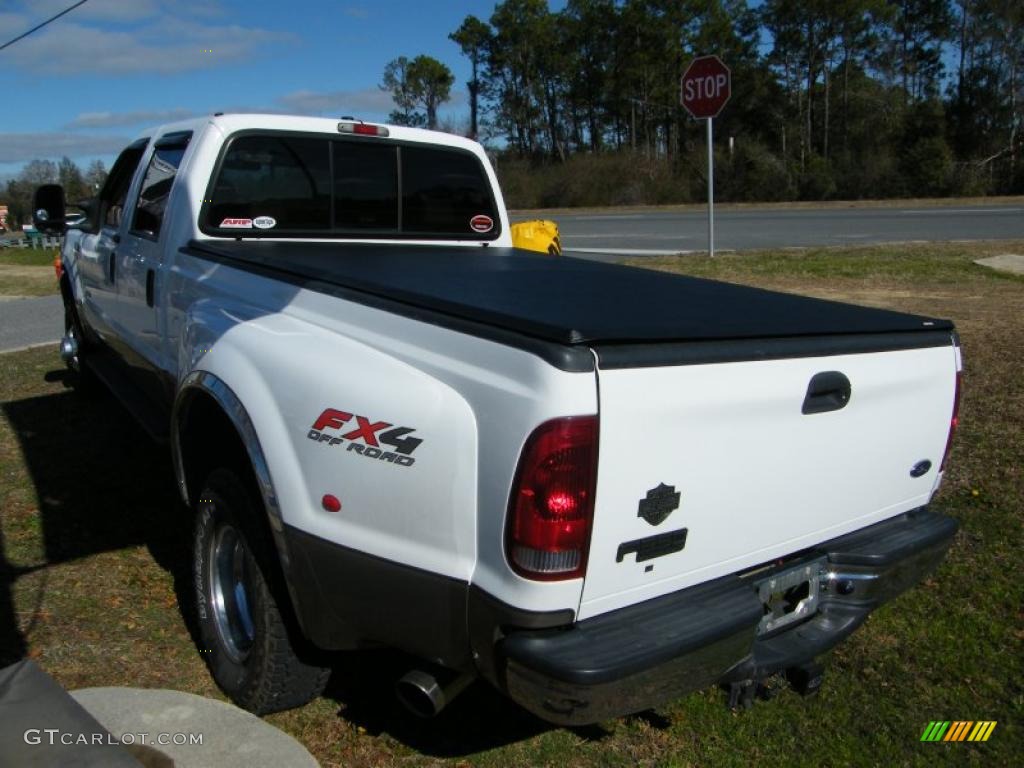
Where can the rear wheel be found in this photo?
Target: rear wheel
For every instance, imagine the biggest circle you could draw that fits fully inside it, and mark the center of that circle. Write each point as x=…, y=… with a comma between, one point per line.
x=249, y=639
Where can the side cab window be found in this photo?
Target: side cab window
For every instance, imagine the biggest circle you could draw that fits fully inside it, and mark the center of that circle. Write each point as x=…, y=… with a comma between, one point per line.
x=156, y=187
x=115, y=190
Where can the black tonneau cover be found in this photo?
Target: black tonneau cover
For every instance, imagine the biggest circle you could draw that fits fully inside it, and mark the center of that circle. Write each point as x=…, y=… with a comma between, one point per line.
x=559, y=299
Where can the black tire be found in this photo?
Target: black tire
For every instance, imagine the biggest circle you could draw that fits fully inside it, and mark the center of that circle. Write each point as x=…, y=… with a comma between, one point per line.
x=247, y=634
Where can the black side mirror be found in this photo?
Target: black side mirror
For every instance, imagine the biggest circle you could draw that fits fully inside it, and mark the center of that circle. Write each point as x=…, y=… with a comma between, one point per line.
x=48, y=209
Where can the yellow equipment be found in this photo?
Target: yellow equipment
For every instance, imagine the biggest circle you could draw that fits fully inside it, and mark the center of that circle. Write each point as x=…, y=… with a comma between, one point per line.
x=537, y=235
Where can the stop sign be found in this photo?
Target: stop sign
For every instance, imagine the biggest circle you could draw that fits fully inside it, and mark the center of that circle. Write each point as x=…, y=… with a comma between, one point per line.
x=705, y=87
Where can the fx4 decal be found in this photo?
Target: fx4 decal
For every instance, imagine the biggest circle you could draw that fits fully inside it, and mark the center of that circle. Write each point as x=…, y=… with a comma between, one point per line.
x=365, y=436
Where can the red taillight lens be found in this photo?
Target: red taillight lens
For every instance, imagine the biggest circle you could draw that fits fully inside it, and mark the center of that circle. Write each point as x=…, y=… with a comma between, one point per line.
x=363, y=129
x=552, y=503
x=954, y=421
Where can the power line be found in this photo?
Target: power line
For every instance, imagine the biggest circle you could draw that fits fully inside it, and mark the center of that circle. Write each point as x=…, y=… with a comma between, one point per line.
x=40, y=26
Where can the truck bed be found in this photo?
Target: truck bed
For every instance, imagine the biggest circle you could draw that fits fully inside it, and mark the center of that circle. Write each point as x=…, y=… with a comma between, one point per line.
x=570, y=301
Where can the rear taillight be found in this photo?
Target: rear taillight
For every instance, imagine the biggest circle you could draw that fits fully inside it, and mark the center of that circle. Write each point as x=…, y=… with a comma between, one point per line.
x=552, y=502
x=954, y=421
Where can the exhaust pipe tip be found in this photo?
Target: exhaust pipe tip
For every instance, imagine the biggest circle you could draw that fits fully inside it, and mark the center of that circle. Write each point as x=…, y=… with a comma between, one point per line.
x=425, y=696
x=420, y=693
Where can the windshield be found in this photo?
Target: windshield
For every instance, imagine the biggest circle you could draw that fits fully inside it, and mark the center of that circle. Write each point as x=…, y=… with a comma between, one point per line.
x=286, y=185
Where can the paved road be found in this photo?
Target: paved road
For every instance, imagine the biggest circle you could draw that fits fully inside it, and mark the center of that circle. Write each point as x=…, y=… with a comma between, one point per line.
x=24, y=322
x=651, y=233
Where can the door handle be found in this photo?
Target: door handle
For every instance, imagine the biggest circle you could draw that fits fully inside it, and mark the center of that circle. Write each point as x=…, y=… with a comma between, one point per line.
x=150, y=284
x=827, y=391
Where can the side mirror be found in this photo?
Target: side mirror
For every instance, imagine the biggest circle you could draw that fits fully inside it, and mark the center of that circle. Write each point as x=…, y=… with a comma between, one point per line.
x=48, y=209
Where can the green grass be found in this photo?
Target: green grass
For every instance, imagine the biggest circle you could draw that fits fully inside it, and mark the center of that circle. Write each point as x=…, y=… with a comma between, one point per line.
x=94, y=572
x=916, y=202
x=27, y=272
x=28, y=257
x=932, y=262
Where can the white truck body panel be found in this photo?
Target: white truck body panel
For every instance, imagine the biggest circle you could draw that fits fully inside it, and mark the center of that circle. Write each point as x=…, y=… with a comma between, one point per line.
x=758, y=479
x=473, y=402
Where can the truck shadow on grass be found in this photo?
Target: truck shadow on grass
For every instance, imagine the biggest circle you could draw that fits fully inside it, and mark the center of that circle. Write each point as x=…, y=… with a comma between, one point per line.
x=103, y=485
x=477, y=720
x=12, y=642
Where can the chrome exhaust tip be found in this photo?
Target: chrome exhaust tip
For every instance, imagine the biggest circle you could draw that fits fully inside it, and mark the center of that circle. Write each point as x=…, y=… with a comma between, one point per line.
x=425, y=695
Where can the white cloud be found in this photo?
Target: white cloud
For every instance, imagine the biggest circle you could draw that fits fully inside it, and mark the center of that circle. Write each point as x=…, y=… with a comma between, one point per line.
x=12, y=25
x=101, y=10
x=75, y=49
x=22, y=147
x=122, y=11
x=356, y=12
x=117, y=119
x=338, y=103
x=204, y=9
x=141, y=36
x=371, y=101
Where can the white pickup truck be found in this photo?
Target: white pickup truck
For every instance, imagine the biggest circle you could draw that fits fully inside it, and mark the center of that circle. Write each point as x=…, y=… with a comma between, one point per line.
x=594, y=486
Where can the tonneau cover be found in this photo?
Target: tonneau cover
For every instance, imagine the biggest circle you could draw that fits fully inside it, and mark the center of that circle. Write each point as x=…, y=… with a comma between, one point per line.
x=559, y=299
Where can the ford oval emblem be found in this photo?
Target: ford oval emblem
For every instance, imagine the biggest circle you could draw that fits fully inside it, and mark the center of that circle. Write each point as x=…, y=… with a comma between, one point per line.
x=921, y=468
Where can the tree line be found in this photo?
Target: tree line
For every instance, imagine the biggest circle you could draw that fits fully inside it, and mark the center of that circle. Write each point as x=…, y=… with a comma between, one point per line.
x=78, y=185
x=831, y=98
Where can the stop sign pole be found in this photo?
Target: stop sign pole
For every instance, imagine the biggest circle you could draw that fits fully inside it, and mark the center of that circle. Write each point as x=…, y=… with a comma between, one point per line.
x=704, y=89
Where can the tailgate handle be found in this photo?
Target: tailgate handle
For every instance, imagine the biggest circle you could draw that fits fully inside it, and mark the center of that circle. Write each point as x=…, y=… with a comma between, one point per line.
x=828, y=391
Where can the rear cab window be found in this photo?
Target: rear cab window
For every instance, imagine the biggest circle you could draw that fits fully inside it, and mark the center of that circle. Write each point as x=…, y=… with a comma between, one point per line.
x=277, y=184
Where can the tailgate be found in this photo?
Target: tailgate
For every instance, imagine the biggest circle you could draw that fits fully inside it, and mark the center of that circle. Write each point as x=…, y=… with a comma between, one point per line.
x=708, y=469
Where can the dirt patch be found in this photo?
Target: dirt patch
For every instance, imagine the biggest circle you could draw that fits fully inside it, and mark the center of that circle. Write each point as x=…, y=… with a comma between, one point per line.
x=1005, y=262
x=11, y=270
x=20, y=281
x=880, y=296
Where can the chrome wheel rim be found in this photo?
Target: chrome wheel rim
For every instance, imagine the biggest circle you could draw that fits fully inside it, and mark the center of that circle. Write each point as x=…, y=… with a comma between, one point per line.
x=230, y=592
x=75, y=362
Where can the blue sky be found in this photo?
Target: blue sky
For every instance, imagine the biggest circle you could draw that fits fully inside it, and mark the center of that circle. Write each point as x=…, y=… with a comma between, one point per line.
x=84, y=85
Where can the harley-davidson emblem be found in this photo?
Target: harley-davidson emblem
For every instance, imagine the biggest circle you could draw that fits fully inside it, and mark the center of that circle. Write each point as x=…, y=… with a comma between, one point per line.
x=659, y=504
